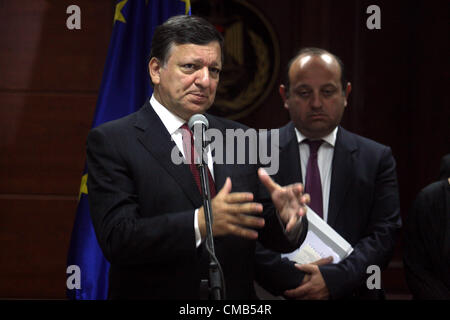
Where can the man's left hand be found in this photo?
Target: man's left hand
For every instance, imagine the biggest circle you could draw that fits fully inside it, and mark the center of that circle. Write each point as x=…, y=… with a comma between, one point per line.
x=289, y=200
x=313, y=286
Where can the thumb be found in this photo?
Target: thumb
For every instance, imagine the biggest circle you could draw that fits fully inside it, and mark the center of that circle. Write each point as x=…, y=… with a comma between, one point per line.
x=323, y=261
x=226, y=189
x=308, y=268
x=267, y=180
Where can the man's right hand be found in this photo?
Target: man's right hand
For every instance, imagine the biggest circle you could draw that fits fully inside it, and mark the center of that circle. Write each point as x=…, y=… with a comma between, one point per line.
x=232, y=214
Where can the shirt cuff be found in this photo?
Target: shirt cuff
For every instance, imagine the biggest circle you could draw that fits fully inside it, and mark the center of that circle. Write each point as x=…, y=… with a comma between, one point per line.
x=295, y=232
x=198, y=237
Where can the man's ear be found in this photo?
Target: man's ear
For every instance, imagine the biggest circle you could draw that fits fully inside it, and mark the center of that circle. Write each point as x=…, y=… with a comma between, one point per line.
x=284, y=95
x=347, y=92
x=154, y=69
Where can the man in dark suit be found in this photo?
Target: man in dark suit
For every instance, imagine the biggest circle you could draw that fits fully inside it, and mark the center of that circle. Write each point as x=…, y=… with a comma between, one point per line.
x=352, y=180
x=426, y=253
x=147, y=211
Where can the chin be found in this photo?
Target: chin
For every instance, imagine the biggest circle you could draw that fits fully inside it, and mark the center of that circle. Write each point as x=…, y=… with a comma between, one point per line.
x=316, y=133
x=199, y=108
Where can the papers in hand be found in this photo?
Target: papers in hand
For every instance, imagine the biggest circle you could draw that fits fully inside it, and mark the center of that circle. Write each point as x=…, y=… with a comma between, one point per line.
x=321, y=241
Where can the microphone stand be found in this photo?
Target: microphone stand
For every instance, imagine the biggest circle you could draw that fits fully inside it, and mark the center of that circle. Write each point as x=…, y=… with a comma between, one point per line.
x=215, y=276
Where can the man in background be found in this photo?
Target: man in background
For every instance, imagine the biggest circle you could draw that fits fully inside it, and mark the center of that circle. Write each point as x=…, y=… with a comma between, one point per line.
x=426, y=255
x=351, y=180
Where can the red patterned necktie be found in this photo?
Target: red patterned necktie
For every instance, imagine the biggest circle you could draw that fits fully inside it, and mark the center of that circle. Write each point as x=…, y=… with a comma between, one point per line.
x=313, y=185
x=188, y=146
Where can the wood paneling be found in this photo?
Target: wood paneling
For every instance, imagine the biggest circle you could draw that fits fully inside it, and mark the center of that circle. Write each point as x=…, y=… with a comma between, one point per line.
x=35, y=233
x=49, y=79
x=39, y=53
x=42, y=142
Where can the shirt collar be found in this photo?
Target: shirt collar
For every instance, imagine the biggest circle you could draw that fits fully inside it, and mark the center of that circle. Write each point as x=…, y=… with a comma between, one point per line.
x=330, y=138
x=171, y=121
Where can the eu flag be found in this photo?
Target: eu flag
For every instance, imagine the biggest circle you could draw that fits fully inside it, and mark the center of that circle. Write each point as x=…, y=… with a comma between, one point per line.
x=125, y=86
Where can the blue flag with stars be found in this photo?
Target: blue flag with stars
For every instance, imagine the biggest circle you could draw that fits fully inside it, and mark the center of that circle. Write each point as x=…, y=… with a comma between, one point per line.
x=124, y=89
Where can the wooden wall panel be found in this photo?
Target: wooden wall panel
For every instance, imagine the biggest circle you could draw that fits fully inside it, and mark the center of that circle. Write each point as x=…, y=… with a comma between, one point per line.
x=42, y=142
x=49, y=79
x=39, y=53
x=35, y=234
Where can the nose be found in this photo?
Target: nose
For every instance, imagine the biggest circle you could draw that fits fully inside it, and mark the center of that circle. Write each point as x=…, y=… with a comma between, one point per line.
x=316, y=102
x=203, y=77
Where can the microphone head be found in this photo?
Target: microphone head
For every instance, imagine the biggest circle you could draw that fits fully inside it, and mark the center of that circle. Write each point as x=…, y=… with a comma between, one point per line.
x=198, y=119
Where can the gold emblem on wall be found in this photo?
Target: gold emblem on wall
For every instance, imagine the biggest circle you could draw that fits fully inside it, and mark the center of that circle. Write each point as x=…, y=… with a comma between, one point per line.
x=251, y=55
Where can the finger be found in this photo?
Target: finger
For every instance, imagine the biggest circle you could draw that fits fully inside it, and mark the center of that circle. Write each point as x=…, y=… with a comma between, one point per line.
x=298, y=293
x=302, y=211
x=238, y=197
x=291, y=223
x=298, y=266
x=307, y=277
x=242, y=232
x=226, y=189
x=306, y=199
x=323, y=261
x=267, y=181
x=308, y=267
x=245, y=220
x=297, y=189
x=299, y=197
x=244, y=208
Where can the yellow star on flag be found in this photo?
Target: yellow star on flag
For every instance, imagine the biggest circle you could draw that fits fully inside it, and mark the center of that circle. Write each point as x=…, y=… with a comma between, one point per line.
x=187, y=7
x=118, y=14
x=83, y=187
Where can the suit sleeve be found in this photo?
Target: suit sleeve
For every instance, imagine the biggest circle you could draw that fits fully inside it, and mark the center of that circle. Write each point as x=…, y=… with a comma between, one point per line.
x=125, y=236
x=376, y=245
x=274, y=273
x=422, y=248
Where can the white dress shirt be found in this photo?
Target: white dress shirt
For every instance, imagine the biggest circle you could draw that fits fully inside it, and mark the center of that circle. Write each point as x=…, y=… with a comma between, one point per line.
x=173, y=124
x=324, y=160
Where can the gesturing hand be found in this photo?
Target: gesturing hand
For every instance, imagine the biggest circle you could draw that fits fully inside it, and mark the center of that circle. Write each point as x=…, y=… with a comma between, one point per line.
x=289, y=200
x=232, y=214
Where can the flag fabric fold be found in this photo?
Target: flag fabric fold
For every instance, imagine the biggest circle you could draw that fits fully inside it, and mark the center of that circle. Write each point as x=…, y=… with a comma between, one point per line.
x=125, y=87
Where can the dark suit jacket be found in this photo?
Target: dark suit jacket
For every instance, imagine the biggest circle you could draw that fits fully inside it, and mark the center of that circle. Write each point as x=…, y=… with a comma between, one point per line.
x=363, y=206
x=142, y=208
x=426, y=255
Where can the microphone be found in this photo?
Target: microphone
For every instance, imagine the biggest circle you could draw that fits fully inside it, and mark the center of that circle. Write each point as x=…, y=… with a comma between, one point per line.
x=198, y=119
x=199, y=122
x=198, y=125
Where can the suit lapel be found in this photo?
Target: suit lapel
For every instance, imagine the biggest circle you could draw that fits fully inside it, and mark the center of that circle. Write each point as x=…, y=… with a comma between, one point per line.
x=221, y=171
x=290, y=168
x=153, y=135
x=342, y=172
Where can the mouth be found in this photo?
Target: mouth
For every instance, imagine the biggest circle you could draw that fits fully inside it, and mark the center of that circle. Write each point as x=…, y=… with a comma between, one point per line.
x=198, y=97
x=317, y=116
x=199, y=94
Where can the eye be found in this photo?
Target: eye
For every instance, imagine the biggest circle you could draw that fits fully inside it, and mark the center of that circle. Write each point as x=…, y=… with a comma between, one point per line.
x=328, y=92
x=214, y=71
x=304, y=93
x=190, y=66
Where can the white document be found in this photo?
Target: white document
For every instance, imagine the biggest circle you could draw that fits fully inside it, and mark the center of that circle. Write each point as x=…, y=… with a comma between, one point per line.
x=321, y=241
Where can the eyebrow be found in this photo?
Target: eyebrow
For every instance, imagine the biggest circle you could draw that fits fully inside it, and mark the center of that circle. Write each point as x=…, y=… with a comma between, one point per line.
x=201, y=61
x=302, y=86
x=307, y=86
x=328, y=85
